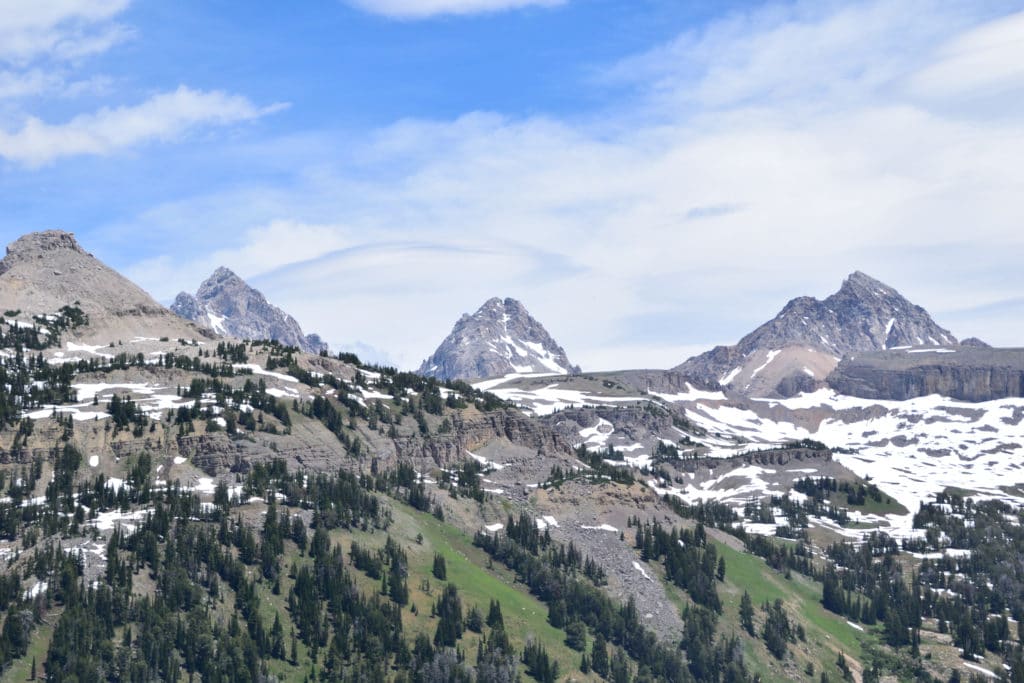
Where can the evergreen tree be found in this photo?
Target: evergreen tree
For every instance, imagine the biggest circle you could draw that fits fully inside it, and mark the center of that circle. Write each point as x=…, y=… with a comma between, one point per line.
x=440, y=569
x=776, y=632
x=599, y=655
x=494, y=617
x=747, y=613
x=449, y=612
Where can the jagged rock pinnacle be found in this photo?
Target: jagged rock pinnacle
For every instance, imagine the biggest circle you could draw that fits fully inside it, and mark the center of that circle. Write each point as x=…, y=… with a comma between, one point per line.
x=226, y=304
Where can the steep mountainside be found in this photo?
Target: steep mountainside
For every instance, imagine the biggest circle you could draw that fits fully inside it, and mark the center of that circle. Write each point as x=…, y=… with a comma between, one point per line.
x=500, y=338
x=798, y=348
x=226, y=304
x=45, y=271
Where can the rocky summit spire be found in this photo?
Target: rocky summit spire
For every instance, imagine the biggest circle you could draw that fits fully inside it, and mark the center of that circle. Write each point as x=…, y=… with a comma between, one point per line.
x=797, y=348
x=500, y=338
x=226, y=304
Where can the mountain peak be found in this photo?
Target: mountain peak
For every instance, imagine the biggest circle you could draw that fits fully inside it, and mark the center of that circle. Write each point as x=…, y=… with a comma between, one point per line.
x=44, y=271
x=228, y=305
x=863, y=285
x=500, y=338
x=220, y=279
x=37, y=244
x=223, y=273
x=796, y=350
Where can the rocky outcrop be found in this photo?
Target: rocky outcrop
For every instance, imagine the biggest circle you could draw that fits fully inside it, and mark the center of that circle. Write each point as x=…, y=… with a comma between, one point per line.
x=480, y=430
x=797, y=349
x=964, y=373
x=227, y=305
x=500, y=338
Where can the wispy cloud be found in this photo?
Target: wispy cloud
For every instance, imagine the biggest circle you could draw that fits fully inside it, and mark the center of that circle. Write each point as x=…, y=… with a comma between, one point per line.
x=59, y=29
x=810, y=117
x=988, y=59
x=162, y=117
x=422, y=9
x=41, y=42
x=42, y=47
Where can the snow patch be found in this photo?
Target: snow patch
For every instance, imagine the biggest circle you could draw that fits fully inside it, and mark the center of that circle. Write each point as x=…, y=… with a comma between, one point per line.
x=730, y=376
x=258, y=370
x=771, y=356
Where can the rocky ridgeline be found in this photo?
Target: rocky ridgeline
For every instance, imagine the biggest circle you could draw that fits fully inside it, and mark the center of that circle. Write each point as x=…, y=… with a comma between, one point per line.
x=500, y=338
x=797, y=349
x=967, y=373
x=227, y=305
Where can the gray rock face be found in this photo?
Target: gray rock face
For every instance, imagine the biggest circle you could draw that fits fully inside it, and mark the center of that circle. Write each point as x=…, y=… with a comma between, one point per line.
x=500, y=338
x=188, y=307
x=975, y=342
x=44, y=271
x=864, y=315
x=226, y=304
x=965, y=373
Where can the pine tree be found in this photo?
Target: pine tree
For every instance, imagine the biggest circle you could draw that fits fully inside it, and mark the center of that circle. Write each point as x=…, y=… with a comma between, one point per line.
x=494, y=617
x=277, y=638
x=440, y=570
x=449, y=611
x=599, y=655
x=747, y=613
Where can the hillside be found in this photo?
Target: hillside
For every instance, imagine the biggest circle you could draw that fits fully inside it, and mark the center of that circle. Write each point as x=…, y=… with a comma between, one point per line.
x=248, y=511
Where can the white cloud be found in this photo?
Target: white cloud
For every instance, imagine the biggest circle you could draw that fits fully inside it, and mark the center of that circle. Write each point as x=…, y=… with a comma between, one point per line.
x=809, y=125
x=61, y=29
x=42, y=44
x=986, y=59
x=22, y=84
x=421, y=9
x=161, y=117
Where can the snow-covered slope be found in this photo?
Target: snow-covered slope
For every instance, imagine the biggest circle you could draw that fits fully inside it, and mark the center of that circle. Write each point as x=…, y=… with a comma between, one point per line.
x=226, y=304
x=796, y=350
x=500, y=338
x=911, y=449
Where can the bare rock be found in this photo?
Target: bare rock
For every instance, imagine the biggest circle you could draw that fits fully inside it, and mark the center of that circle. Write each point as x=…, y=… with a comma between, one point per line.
x=227, y=305
x=500, y=338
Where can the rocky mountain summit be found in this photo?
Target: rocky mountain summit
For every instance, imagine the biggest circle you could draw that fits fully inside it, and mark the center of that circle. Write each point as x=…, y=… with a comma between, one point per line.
x=800, y=346
x=500, y=338
x=227, y=305
x=45, y=271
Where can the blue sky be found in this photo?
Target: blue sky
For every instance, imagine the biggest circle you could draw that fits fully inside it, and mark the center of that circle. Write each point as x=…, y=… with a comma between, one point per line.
x=649, y=177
